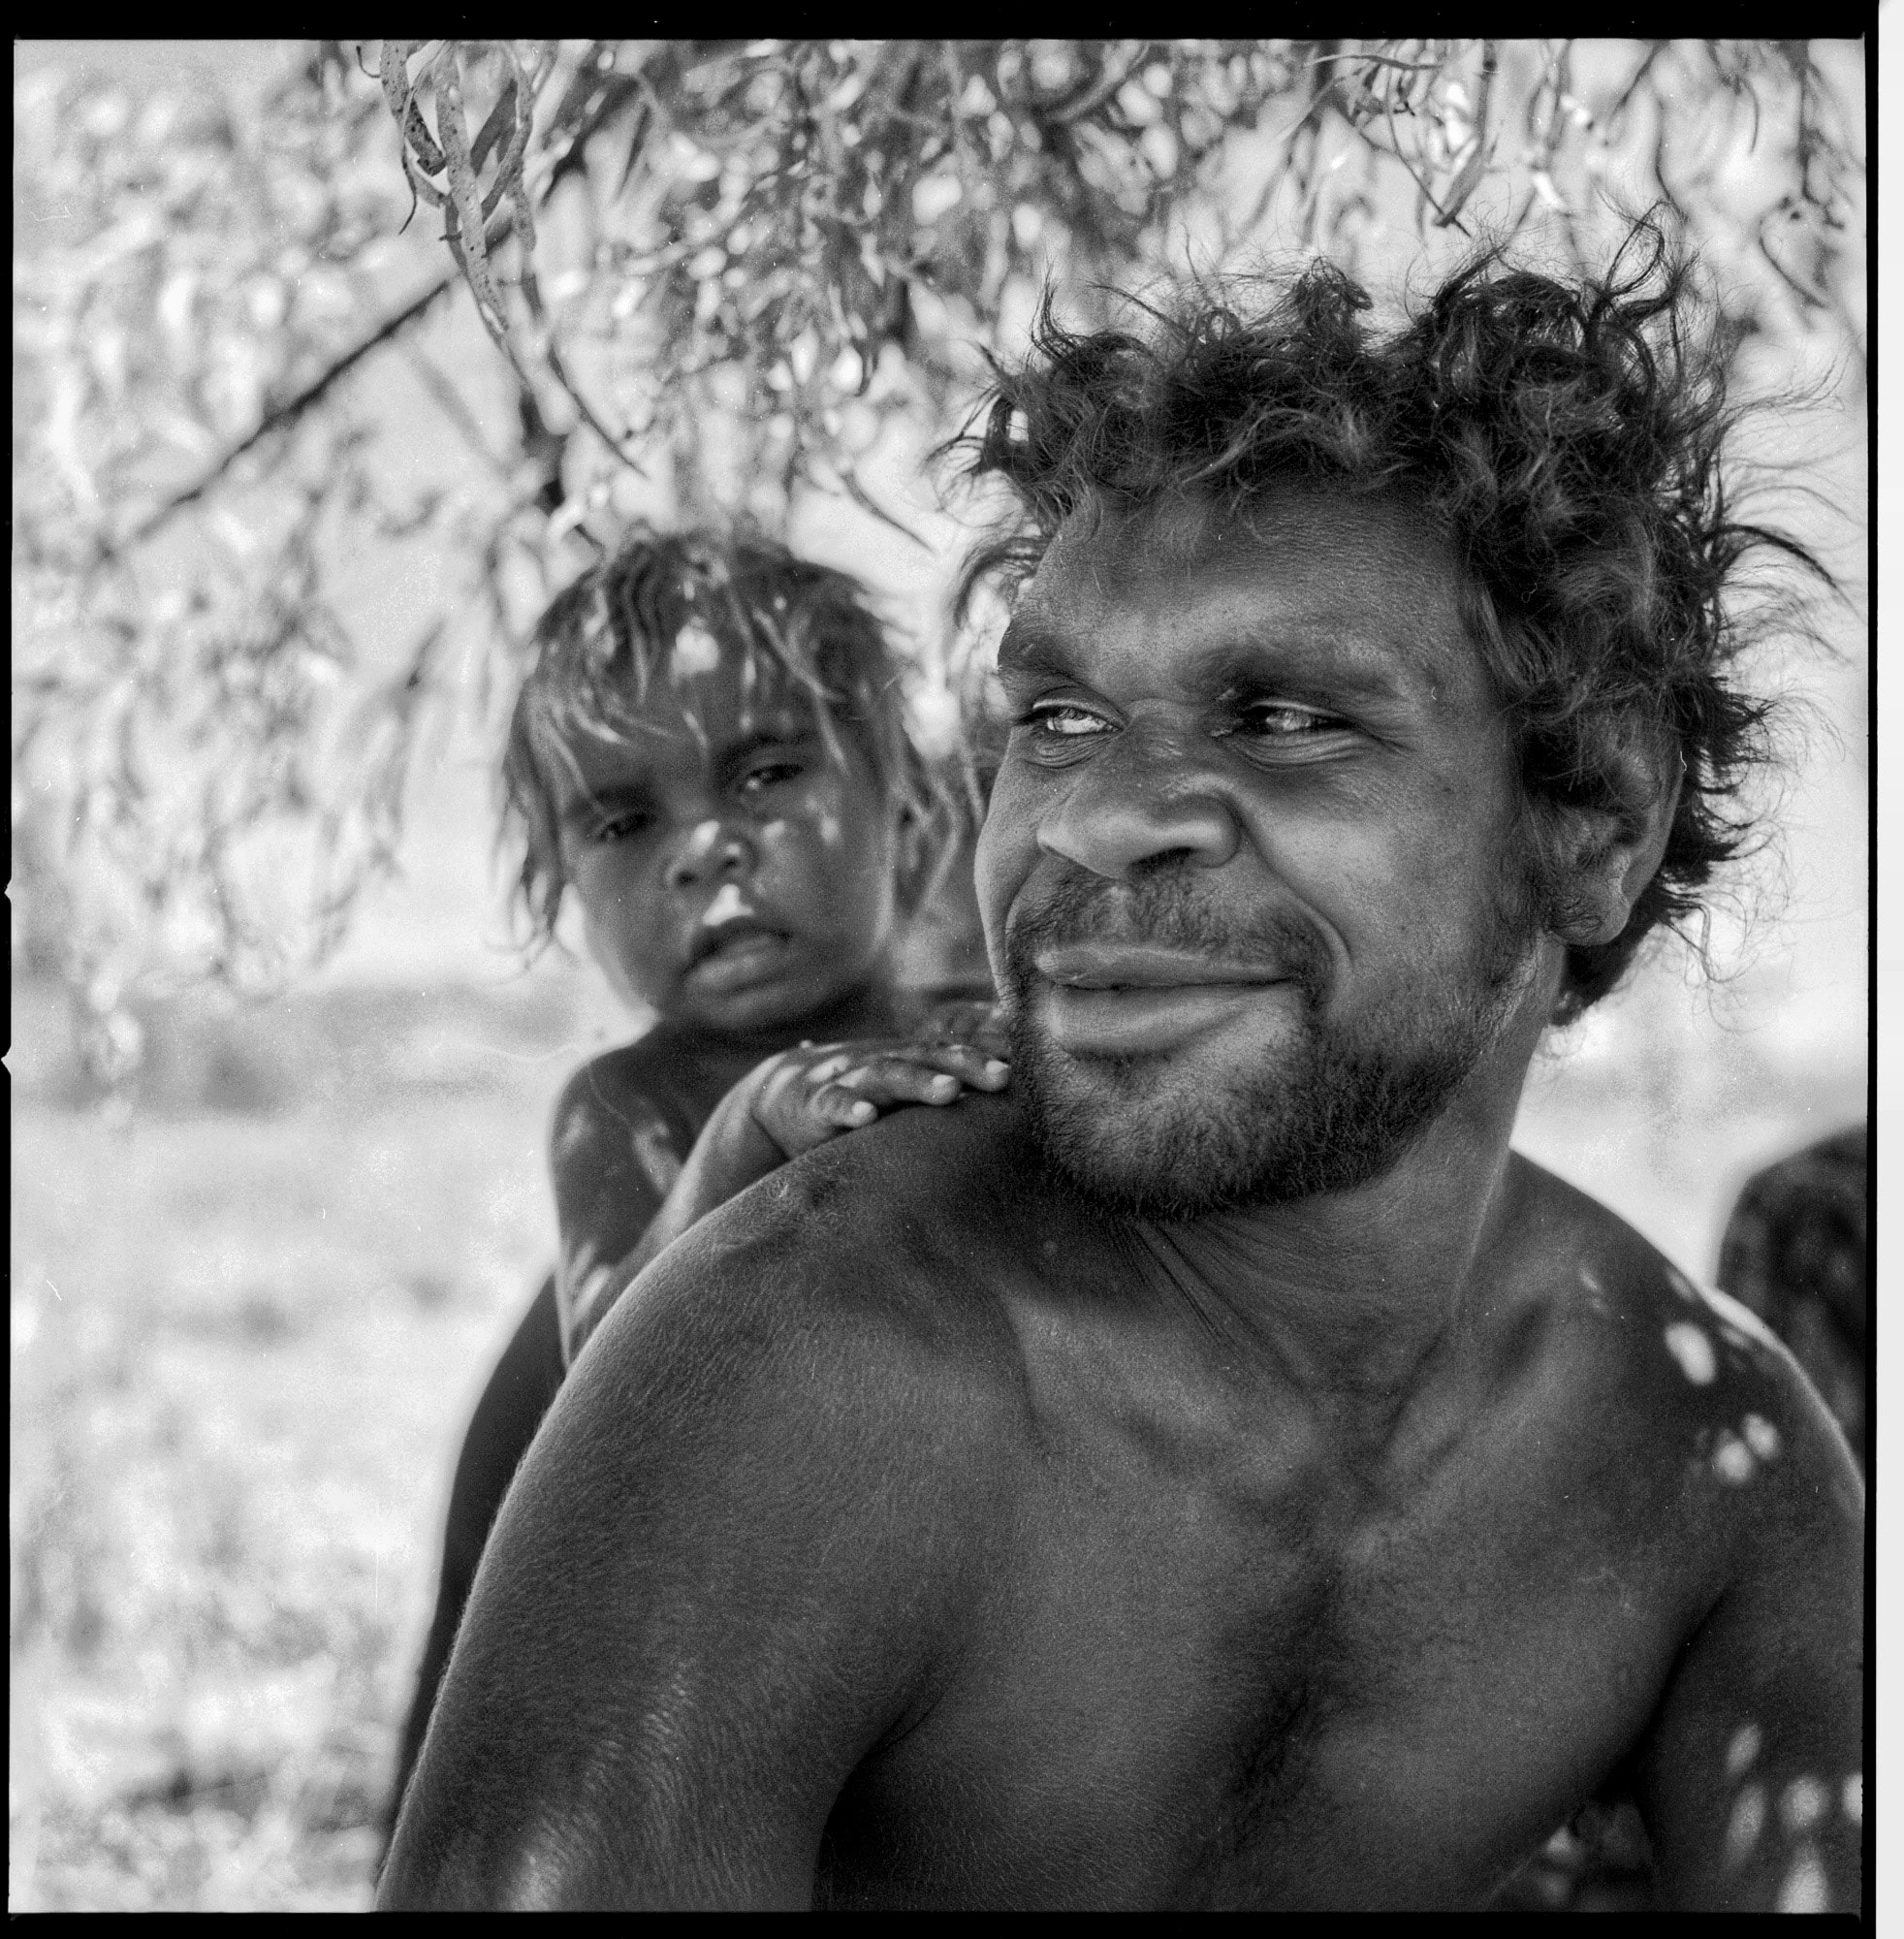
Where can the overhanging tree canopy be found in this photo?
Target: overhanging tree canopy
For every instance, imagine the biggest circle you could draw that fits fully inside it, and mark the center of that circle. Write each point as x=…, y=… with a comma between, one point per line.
x=711, y=273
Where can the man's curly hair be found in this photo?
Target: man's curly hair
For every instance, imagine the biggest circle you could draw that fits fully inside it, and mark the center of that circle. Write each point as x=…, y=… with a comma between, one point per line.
x=791, y=629
x=1566, y=437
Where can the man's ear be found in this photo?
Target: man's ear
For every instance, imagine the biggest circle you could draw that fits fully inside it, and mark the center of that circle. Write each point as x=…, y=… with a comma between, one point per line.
x=1609, y=855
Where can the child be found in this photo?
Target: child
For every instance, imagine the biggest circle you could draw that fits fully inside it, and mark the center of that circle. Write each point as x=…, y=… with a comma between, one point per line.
x=711, y=750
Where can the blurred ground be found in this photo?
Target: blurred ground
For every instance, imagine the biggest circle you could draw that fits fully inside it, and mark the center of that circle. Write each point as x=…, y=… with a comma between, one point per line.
x=249, y=1322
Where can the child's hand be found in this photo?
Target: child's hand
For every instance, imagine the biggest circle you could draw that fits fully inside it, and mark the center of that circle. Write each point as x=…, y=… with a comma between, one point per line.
x=804, y=1097
x=966, y=1021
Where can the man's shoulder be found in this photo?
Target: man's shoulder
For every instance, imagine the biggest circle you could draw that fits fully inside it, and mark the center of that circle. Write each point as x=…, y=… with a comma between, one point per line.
x=1674, y=1366
x=943, y=1183
x=913, y=1216
x=869, y=1268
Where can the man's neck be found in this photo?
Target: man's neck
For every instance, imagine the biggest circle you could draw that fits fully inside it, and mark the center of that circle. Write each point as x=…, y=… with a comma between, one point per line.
x=1348, y=1296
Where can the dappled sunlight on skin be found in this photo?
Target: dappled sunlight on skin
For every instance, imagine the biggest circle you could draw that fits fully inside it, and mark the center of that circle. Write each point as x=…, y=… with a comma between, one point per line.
x=1744, y=1335
x=1803, y=1804
x=573, y=1130
x=1736, y=1456
x=1595, y=1292
x=697, y=653
x=727, y=905
x=585, y=1276
x=1736, y=1320
x=1732, y=1460
x=1802, y=1807
x=1803, y=1889
x=1761, y=1436
x=1743, y=1751
x=655, y=1151
x=703, y=840
x=1690, y=1346
x=1732, y=1454
x=1746, y=1825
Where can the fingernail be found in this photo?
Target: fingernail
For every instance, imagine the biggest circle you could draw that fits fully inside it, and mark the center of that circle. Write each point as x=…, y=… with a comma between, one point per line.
x=995, y=1068
x=944, y=1085
x=861, y=1110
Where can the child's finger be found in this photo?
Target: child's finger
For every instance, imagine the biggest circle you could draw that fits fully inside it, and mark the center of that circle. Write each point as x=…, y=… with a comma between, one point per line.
x=829, y=1067
x=968, y=1023
x=834, y=1104
x=966, y=1061
x=898, y=1079
x=971, y=1064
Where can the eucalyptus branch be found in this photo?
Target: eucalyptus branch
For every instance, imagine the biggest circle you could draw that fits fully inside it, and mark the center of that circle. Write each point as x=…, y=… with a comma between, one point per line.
x=280, y=418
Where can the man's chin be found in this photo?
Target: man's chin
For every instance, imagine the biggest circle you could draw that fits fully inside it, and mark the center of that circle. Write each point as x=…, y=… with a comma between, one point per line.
x=1140, y=1135
x=1176, y=1138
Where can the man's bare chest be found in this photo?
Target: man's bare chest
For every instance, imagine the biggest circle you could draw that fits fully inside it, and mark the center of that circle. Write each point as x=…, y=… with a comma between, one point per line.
x=1227, y=1688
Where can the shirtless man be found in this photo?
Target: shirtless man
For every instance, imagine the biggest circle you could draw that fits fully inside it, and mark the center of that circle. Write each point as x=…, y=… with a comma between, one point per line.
x=1218, y=1472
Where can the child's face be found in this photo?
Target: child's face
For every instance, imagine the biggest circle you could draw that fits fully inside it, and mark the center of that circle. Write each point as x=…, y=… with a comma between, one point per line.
x=737, y=879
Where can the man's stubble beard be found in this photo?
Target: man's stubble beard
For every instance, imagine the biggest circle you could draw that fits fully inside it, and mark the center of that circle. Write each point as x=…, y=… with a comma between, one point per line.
x=1331, y=1109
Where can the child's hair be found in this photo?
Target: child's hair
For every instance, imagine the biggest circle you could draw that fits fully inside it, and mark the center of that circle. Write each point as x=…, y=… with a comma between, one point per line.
x=793, y=625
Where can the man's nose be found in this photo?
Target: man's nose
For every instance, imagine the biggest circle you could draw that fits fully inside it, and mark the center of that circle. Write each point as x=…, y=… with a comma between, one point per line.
x=1141, y=799
x=711, y=851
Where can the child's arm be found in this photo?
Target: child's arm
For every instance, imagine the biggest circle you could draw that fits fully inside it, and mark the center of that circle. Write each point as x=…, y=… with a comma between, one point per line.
x=613, y=1157
x=782, y=1107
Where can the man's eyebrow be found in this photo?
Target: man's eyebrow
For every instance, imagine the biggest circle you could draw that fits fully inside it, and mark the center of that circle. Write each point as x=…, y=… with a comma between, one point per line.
x=1319, y=655
x=1323, y=658
x=1029, y=647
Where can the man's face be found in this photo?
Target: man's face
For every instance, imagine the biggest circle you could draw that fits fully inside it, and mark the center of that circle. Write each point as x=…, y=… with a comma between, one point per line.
x=1248, y=873
x=734, y=875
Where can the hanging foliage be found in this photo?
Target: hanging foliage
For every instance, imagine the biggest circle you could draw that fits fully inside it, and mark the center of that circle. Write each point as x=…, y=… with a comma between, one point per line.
x=709, y=275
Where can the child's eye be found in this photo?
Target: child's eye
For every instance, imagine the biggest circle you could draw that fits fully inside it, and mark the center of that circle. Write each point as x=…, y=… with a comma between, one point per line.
x=619, y=827
x=770, y=773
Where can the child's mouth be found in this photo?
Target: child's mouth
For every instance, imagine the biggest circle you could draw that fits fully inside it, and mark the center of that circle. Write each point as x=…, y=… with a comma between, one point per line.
x=736, y=955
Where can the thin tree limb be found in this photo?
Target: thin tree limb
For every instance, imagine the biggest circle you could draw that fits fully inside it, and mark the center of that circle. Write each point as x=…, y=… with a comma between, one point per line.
x=282, y=417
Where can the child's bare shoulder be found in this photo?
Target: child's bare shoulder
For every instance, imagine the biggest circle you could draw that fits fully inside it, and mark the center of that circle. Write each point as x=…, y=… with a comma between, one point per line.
x=629, y=1074
x=630, y=1097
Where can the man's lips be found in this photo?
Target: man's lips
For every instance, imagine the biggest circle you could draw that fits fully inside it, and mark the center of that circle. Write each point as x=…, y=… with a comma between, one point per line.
x=1142, y=965
x=1142, y=999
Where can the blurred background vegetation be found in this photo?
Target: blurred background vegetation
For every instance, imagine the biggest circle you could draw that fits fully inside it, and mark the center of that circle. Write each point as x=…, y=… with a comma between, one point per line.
x=332, y=361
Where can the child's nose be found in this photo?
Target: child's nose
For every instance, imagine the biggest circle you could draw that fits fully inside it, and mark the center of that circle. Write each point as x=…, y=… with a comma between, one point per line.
x=711, y=851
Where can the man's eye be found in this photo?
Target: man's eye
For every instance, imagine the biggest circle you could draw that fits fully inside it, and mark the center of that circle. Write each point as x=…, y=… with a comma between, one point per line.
x=1284, y=720
x=1065, y=723
x=619, y=827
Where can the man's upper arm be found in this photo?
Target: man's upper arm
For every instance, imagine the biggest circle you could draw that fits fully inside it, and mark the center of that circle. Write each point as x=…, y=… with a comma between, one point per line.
x=1752, y=1779
x=729, y=1566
